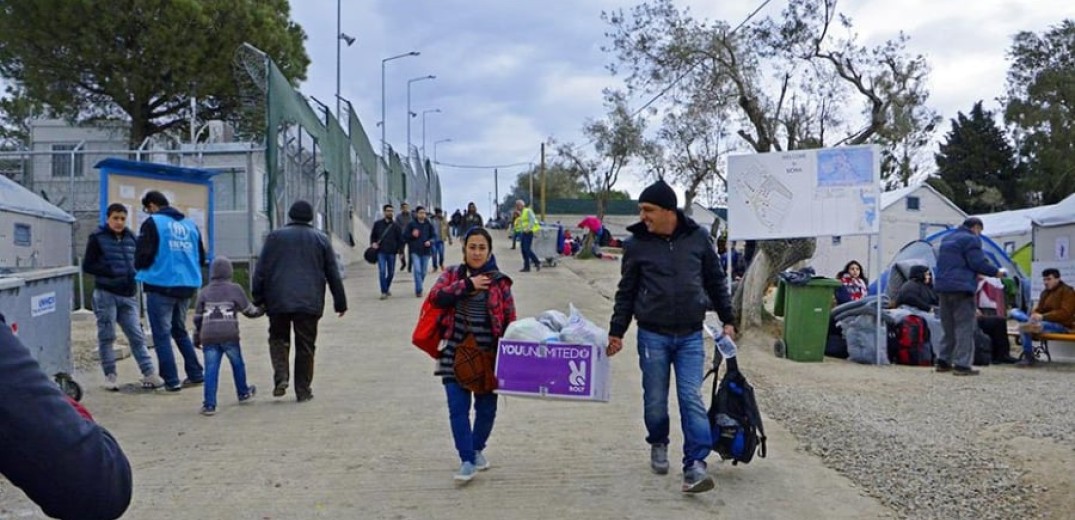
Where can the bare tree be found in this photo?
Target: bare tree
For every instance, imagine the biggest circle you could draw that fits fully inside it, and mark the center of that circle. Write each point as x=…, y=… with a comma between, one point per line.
x=795, y=81
x=616, y=140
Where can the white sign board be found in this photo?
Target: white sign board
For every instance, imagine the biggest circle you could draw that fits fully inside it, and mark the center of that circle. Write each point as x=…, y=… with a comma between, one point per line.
x=42, y=304
x=1067, y=274
x=804, y=193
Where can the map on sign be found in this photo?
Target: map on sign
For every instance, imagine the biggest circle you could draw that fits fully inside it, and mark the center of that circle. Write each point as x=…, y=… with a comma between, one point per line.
x=804, y=193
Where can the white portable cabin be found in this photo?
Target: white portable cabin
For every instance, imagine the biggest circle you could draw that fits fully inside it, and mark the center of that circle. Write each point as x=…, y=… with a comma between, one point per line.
x=1054, y=232
x=34, y=234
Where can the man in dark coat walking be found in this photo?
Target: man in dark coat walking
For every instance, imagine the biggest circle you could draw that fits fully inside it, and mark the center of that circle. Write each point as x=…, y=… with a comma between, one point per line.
x=296, y=262
x=387, y=238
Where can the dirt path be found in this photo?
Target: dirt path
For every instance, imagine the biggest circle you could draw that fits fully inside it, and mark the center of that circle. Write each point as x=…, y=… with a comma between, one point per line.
x=375, y=442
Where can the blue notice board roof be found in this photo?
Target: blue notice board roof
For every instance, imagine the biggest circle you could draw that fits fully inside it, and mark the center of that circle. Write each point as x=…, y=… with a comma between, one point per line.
x=147, y=169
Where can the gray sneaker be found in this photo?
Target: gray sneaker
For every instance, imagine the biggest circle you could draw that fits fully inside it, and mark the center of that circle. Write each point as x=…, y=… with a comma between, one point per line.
x=466, y=473
x=696, y=479
x=658, y=458
x=480, y=462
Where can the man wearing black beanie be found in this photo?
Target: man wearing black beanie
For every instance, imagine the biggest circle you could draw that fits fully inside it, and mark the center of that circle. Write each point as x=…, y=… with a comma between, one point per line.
x=295, y=264
x=670, y=273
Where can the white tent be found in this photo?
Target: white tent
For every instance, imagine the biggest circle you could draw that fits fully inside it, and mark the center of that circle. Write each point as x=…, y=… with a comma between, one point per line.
x=1011, y=229
x=1054, y=232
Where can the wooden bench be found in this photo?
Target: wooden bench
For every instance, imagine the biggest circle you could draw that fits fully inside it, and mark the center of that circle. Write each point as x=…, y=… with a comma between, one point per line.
x=1042, y=348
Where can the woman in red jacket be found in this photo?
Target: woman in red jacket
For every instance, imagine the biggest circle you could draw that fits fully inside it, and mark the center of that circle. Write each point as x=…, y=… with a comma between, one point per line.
x=477, y=299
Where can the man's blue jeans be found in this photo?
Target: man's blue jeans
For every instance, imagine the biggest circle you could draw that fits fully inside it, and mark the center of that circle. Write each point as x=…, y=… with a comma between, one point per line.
x=419, y=266
x=1026, y=338
x=438, y=254
x=528, y=251
x=657, y=354
x=213, y=355
x=111, y=308
x=386, y=269
x=469, y=439
x=168, y=320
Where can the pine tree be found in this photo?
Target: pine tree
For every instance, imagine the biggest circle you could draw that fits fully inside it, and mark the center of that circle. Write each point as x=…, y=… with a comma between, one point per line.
x=978, y=165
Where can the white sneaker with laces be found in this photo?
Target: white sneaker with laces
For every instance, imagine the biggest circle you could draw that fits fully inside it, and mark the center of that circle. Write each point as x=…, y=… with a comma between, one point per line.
x=110, y=383
x=152, y=381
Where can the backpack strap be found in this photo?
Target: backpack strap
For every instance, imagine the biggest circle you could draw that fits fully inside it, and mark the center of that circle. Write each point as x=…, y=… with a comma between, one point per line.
x=755, y=417
x=713, y=372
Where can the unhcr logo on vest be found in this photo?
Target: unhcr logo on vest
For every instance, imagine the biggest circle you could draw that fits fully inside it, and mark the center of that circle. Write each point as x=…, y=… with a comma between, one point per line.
x=179, y=237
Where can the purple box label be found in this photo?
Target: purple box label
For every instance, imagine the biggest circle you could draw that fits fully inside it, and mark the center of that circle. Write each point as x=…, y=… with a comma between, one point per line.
x=553, y=369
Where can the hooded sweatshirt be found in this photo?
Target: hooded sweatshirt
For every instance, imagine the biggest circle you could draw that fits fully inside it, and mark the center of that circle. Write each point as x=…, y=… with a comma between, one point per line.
x=216, y=318
x=915, y=293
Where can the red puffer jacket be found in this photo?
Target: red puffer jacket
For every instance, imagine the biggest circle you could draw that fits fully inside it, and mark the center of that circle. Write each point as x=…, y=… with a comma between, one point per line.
x=453, y=285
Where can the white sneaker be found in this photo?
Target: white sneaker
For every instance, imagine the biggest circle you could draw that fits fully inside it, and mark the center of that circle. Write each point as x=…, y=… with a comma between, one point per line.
x=110, y=383
x=152, y=381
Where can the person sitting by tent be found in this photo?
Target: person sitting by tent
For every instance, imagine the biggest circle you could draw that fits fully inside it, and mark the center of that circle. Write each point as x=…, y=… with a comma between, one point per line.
x=917, y=292
x=990, y=297
x=854, y=284
x=1055, y=312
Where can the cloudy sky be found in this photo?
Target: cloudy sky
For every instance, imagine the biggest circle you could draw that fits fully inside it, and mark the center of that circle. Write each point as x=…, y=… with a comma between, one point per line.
x=513, y=73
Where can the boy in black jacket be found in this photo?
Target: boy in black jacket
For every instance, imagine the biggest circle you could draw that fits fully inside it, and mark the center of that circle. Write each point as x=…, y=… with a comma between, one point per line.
x=110, y=259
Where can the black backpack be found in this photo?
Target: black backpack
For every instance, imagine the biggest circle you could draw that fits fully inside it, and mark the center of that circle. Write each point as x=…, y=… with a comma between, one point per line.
x=734, y=417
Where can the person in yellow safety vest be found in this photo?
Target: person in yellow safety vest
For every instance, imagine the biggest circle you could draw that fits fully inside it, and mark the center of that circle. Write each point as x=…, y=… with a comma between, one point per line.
x=525, y=226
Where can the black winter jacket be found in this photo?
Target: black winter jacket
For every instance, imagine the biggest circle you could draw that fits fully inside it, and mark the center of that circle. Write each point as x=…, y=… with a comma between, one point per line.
x=68, y=465
x=426, y=233
x=915, y=292
x=392, y=243
x=290, y=276
x=667, y=283
x=110, y=259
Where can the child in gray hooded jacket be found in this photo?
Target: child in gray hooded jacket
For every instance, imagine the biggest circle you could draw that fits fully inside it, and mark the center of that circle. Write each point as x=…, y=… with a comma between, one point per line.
x=216, y=324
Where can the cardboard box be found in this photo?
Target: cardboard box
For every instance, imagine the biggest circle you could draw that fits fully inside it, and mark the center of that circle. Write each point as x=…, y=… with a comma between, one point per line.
x=552, y=370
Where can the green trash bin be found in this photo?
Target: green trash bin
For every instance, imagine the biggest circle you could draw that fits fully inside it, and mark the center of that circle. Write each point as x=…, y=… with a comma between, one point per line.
x=806, y=310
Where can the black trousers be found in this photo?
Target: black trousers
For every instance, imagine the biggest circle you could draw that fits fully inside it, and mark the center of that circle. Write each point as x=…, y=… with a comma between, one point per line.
x=996, y=327
x=305, y=326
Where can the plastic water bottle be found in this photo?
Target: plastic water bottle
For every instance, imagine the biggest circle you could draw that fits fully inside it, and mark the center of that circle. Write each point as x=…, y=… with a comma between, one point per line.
x=726, y=346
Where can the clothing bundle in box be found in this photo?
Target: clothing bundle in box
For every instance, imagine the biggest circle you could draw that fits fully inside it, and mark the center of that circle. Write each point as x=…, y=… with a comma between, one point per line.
x=552, y=370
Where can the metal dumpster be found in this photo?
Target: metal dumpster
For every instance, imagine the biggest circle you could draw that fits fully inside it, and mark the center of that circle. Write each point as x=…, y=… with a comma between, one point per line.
x=37, y=306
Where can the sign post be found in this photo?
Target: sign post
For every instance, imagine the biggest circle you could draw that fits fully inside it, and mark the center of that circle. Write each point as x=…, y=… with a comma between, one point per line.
x=807, y=194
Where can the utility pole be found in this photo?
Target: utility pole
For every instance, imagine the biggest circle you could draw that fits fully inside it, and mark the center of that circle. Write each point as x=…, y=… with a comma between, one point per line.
x=496, y=190
x=543, y=181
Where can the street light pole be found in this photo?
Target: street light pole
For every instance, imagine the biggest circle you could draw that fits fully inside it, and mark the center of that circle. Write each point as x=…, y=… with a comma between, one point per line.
x=435, y=143
x=339, y=36
x=384, y=141
x=409, y=113
x=424, y=112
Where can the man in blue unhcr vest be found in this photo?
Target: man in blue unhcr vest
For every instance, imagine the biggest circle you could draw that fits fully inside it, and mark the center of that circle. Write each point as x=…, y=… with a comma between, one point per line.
x=169, y=256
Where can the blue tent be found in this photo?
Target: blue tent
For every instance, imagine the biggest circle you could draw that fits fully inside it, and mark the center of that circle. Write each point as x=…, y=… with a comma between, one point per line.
x=924, y=252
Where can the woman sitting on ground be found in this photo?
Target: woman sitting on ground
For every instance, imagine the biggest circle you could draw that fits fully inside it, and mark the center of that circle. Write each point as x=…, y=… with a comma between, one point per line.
x=917, y=292
x=854, y=283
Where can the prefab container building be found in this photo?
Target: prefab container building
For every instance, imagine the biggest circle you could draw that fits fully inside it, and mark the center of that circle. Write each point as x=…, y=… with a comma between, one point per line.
x=33, y=233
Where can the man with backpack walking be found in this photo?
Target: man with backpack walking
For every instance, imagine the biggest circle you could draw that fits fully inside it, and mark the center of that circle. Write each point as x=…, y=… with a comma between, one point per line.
x=670, y=271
